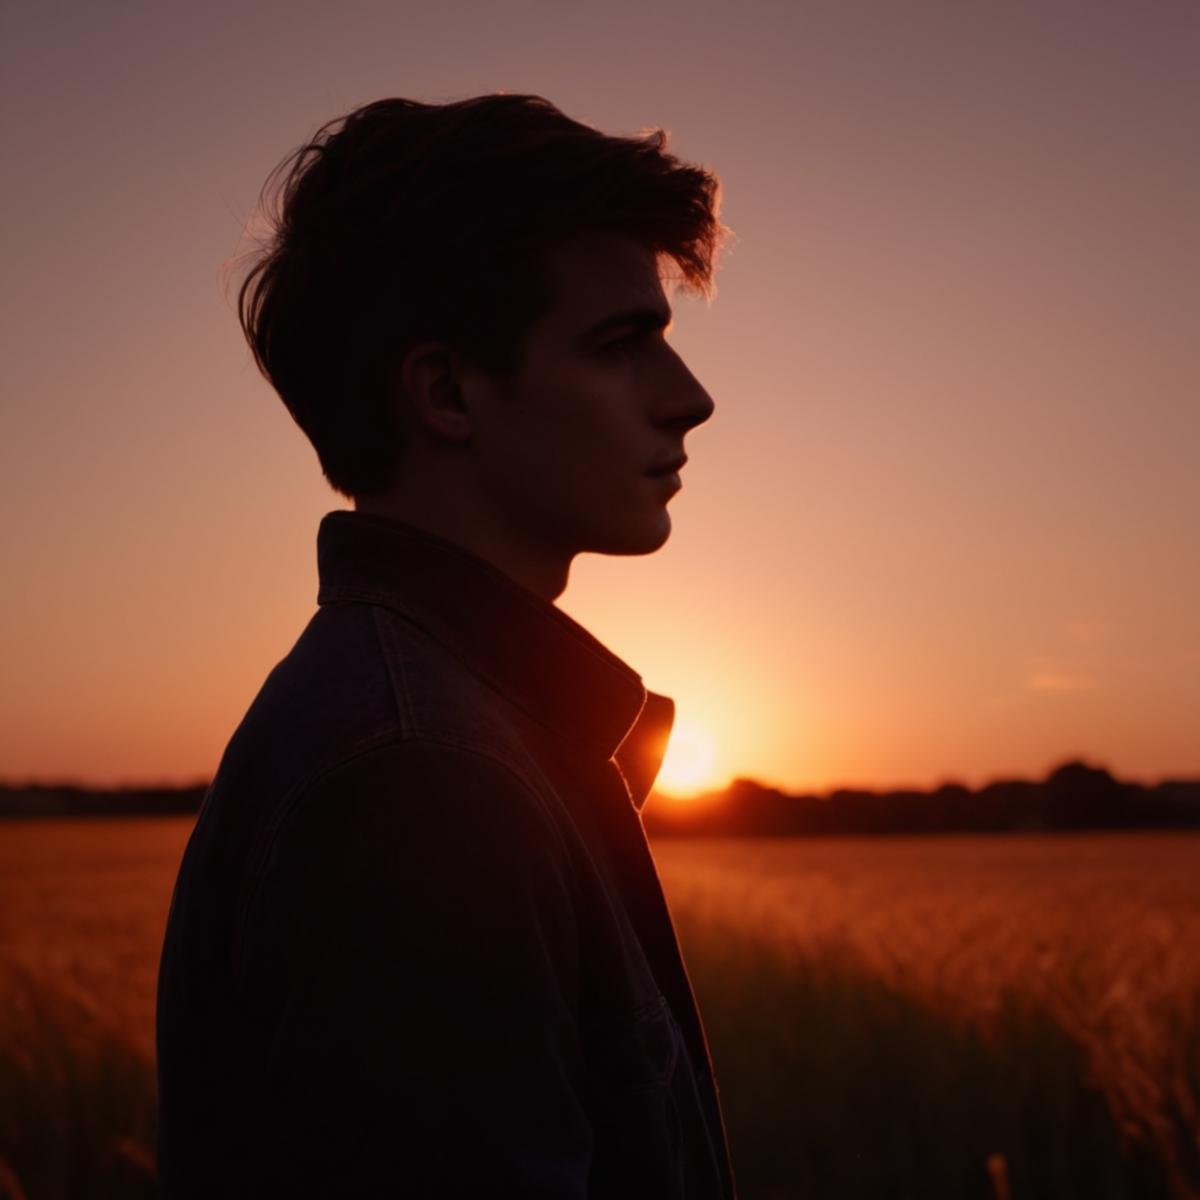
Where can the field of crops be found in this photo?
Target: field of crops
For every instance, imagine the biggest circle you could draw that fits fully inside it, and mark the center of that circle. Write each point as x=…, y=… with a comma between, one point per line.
x=916, y=1017
x=951, y=1016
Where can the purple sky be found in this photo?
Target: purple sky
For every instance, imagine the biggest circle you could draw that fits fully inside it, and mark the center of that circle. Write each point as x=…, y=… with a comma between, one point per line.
x=944, y=521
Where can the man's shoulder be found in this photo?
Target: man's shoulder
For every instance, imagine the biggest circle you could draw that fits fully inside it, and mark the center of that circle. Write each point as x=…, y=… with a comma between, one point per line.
x=412, y=783
x=366, y=727
x=361, y=676
x=361, y=672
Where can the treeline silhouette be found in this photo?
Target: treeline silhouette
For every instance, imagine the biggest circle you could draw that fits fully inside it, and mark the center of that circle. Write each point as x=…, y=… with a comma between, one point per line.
x=1074, y=796
x=77, y=800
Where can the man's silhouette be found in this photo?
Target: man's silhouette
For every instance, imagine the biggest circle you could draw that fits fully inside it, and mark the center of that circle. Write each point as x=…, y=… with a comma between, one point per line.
x=417, y=945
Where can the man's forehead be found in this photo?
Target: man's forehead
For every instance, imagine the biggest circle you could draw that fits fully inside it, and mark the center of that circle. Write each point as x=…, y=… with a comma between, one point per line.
x=599, y=273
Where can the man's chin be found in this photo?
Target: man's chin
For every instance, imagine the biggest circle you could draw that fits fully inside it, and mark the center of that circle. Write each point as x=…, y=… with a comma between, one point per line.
x=643, y=538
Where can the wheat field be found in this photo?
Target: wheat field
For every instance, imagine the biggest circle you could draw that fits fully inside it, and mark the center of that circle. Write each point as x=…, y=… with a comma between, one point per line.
x=926, y=1017
x=1068, y=965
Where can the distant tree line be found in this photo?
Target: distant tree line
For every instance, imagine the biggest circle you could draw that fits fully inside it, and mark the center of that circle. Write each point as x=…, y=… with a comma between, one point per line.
x=1075, y=796
x=75, y=800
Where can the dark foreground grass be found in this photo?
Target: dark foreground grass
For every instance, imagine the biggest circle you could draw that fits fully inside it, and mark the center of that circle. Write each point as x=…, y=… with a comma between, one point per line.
x=835, y=1085
x=77, y=1097
x=837, y=1082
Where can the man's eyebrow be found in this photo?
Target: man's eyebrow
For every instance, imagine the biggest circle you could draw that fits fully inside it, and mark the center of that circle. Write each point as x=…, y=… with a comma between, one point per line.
x=643, y=318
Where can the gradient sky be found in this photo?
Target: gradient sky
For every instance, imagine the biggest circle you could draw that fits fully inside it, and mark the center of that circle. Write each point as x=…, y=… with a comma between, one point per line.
x=943, y=524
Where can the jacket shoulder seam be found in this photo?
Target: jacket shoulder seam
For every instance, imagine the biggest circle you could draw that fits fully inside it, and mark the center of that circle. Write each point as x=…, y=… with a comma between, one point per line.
x=397, y=673
x=258, y=870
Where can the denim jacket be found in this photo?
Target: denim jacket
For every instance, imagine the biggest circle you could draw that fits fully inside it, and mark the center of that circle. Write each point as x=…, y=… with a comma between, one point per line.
x=417, y=945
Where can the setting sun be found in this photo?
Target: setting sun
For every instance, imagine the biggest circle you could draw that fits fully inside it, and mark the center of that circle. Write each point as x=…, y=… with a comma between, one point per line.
x=688, y=764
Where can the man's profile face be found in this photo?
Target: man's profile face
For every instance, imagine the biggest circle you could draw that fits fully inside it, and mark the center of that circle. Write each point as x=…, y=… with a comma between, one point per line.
x=564, y=450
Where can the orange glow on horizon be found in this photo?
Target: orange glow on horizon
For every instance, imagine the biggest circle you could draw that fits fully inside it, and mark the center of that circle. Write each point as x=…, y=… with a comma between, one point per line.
x=939, y=526
x=688, y=764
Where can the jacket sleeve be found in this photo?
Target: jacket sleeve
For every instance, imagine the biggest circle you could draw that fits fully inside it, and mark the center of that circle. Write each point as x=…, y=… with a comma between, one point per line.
x=417, y=924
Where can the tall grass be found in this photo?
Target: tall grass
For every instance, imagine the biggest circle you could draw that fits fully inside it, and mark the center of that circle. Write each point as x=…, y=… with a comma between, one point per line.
x=1000, y=1018
x=889, y=1016
x=83, y=905
x=835, y=1084
x=76, y=1095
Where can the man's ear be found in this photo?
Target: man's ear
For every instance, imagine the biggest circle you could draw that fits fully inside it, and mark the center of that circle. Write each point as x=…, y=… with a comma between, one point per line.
x=430, y=392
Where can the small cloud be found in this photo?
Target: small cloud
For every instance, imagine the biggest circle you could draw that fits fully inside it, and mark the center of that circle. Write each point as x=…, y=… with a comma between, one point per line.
x=1047, y=681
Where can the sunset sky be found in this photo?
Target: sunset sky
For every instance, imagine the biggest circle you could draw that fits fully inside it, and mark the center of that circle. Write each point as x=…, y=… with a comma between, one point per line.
x=944, y=522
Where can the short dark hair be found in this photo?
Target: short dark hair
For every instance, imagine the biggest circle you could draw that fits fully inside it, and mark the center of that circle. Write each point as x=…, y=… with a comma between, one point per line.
x=404, y=221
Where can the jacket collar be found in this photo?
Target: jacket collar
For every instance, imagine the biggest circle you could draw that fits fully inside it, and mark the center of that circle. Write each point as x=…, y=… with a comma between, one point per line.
x=519, y=643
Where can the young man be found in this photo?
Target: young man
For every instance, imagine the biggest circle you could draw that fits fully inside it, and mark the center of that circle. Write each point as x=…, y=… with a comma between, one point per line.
x=418, y=946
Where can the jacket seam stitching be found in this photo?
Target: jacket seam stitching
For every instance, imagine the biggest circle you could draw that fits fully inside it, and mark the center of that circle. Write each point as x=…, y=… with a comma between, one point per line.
x=346, y=595
x=397, y=673
x=257, y=871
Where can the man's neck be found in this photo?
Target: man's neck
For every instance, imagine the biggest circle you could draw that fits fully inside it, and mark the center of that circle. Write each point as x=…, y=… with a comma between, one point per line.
x=542, y=574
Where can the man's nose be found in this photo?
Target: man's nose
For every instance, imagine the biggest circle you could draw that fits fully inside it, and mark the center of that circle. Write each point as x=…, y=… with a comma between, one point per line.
x=688, y=403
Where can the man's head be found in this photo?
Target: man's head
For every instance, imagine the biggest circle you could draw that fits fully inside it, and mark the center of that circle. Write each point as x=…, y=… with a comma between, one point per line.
x=428, y=295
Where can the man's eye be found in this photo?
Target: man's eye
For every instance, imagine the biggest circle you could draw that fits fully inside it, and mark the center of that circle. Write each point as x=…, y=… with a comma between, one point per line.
x=624, y=343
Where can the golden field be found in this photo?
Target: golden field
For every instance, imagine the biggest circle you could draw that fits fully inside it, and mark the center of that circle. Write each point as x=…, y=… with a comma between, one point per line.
x=926, y=1017
x=951, y=1015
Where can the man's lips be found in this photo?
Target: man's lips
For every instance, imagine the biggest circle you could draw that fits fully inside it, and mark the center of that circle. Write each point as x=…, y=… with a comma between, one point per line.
x=671, y=467
x=671, y=477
